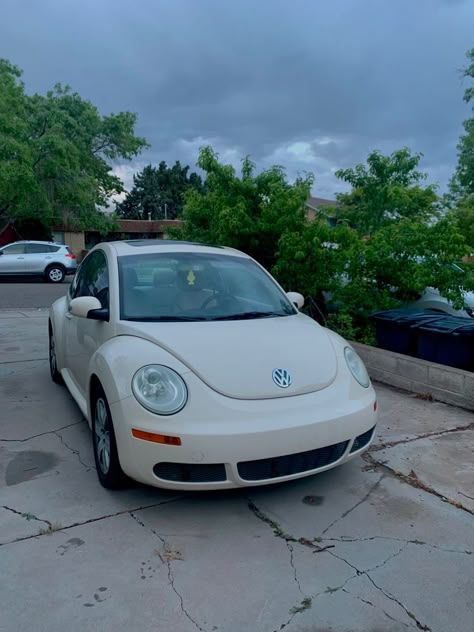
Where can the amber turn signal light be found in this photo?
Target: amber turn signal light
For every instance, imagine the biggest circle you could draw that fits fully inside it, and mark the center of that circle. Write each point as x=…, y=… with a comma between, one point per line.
x=155, y=438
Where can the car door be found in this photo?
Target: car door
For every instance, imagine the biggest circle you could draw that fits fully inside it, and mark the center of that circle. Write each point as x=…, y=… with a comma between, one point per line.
x=37, y=256
x=84, y=336
x=12, y=261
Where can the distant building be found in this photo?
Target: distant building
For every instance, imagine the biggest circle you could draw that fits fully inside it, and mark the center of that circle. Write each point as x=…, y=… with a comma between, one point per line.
x=316, y=205
x=8, y=233
x=80, y=241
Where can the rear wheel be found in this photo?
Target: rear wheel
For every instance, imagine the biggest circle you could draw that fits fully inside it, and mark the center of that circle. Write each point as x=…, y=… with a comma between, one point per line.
x=53, y=362
x=55, y=274
x=110, y=473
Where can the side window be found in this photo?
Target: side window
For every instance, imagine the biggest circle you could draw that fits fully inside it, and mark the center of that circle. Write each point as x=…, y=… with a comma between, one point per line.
x=92, y=278
x=14, y=249
x=33, y=249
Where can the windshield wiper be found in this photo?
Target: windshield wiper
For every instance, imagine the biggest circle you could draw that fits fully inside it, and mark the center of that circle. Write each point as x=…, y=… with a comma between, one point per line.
x=165, y=319
x=249, y=315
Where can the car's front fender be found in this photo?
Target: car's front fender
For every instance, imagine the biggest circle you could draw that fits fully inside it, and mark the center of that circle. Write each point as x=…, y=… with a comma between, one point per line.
x=115, y=363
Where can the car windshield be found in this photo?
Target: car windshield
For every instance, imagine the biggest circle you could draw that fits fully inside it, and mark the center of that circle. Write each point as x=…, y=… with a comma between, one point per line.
x=188, y=286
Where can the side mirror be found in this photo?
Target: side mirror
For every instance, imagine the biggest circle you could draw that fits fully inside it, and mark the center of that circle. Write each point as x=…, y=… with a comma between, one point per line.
x=88, y=307
x=296, y=298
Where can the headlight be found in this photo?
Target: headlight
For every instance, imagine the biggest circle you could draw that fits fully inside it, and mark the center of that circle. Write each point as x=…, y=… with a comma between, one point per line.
x=357, y=367
x=159, y=389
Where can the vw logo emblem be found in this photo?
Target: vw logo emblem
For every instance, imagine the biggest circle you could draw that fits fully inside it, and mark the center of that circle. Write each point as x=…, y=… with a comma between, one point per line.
x=281, y=377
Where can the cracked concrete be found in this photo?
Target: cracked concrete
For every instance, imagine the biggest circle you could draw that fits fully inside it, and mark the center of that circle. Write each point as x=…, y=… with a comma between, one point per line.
x=171, y=578
x=443, y=462
x=278, y=532
x=381, y=544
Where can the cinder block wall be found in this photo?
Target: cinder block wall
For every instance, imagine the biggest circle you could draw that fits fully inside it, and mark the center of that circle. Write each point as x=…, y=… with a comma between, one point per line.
x=443, y=383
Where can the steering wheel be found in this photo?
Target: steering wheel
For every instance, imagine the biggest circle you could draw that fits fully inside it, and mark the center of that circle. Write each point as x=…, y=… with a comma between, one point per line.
x=220, y=299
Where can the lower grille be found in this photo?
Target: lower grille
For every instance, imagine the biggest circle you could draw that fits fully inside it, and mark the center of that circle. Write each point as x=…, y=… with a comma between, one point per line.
x=279, y=466
x=362, y=440
x=191, y=472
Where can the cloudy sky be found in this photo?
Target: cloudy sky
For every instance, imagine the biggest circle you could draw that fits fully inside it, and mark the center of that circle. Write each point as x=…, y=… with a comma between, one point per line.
x=312, y=85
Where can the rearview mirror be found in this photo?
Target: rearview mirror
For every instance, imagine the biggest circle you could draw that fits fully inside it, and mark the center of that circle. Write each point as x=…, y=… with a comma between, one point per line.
x=88, y=307
x=296, y=298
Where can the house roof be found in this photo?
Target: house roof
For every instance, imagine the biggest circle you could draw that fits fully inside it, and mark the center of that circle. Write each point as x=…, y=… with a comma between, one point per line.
x=146, y=226
x=316, y=203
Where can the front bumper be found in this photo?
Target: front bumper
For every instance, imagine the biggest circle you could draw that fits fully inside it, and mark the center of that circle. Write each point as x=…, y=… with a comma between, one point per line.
x=229, y=443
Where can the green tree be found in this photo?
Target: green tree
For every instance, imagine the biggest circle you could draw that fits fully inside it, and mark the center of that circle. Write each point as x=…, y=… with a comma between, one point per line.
x=464, y=216
x=312, y=260
x=356, y=276
x=56, y=153
x=462, y=184
x=395, y=266
x=159, y=192
x=385, y=190
x=249, y=211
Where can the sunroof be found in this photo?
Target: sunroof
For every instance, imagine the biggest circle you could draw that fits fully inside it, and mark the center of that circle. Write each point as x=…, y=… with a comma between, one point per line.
x=138, y=243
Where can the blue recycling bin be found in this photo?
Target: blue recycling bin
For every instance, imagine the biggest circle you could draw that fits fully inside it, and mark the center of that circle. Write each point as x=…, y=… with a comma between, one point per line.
x=448, y=341
x=396, y=329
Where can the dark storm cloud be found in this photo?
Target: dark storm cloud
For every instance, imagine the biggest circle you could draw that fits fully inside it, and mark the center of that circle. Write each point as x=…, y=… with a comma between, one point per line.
x=311, y=85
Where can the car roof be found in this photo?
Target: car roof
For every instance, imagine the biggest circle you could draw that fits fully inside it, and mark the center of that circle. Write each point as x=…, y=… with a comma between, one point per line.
x=34, y=241
x=153, y=246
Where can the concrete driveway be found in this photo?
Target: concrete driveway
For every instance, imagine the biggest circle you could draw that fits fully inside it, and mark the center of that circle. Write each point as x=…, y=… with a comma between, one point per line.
x=383, y=543
x=28, y=292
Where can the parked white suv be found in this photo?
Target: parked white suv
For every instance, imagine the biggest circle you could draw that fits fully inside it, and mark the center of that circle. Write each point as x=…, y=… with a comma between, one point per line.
x=37, y=258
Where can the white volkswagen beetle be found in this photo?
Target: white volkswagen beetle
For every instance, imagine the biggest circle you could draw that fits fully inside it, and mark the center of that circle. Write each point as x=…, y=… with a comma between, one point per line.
x=196, y=371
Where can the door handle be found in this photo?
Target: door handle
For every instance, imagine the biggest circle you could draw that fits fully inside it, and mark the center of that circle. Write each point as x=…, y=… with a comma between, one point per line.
x=20, y=257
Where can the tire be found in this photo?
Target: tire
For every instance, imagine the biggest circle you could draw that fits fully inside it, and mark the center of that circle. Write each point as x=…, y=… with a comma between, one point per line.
x=55, y=274
x=53, y=362
x=109, y=472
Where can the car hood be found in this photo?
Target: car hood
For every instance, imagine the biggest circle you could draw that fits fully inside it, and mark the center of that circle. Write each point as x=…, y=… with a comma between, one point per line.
x=237, y=358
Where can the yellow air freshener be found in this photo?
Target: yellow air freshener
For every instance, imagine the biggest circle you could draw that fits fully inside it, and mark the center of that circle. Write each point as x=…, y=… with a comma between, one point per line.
x=191, y=277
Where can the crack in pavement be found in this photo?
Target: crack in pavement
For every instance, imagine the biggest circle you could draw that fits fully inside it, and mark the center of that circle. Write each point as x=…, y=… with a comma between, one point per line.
x=413, y=481
x=42, y=434
x=412, y=616
x=387, y=594
x=426, y=435
x=88, y=468
x=26, y=515
x=348, y=592
x=280, y=533
x=171, y=578
x=20, y=361
x=90, y=520
x=292, y=563
x=383, y=537
x=357, y=504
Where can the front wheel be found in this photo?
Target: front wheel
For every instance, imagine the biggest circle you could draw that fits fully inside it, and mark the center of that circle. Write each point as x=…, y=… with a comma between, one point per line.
x=53, y=362
x=110, y=473
x=55, y=274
